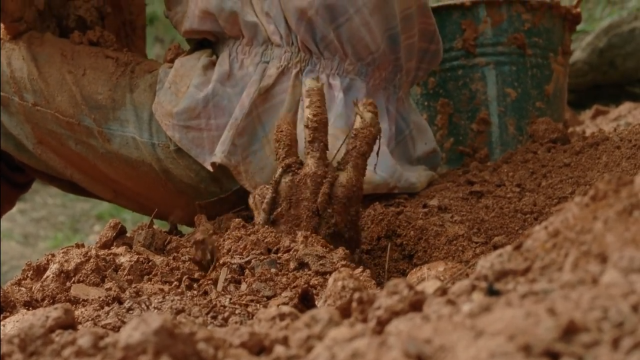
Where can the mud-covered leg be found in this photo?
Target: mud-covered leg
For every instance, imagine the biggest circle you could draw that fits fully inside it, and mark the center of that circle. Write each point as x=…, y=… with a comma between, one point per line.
x=348, y=188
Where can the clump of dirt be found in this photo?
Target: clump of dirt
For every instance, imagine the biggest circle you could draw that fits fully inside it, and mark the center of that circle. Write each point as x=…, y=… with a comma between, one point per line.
x=96, y=37
x=112, y=24
x=505, y=266
x=545, y=130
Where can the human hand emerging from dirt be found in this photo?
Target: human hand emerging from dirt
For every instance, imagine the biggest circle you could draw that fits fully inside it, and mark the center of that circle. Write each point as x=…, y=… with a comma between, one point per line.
x=315, y=195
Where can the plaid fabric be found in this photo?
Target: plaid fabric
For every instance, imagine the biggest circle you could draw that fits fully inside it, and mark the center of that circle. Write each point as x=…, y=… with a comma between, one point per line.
x=221, y=105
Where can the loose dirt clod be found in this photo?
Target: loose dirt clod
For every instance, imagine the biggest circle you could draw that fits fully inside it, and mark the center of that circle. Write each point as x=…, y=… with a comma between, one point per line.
x=533, y=257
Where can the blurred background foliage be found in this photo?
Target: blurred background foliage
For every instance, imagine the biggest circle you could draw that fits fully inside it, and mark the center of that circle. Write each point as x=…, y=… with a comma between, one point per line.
x=160, y=32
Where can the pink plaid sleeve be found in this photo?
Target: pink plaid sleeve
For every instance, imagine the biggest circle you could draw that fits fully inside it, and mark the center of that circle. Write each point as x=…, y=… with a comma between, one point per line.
x=221, y=105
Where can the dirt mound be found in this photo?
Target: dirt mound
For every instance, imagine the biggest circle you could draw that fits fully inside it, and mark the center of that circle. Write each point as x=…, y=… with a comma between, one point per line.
x=470, y=212
x=607, y=118
x=559, y=279
x=148, y=270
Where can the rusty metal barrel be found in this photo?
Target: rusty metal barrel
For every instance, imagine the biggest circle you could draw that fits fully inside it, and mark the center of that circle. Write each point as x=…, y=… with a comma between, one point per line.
x=505, y=64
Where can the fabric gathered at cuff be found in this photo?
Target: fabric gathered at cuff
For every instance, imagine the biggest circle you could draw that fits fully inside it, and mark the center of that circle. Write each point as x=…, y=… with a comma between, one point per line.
x=221, y=105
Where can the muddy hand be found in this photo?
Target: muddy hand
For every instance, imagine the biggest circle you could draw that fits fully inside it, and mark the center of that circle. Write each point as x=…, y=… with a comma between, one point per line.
x=314, y=195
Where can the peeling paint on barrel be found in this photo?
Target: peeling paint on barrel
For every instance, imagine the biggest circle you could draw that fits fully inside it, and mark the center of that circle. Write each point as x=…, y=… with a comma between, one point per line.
x=507, y=60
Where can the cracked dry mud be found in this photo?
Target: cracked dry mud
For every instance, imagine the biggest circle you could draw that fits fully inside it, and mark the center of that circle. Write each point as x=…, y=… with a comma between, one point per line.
x=534, y=257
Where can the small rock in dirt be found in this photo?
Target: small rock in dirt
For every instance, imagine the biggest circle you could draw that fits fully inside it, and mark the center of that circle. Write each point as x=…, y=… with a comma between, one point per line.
x=152, y=239
x=40, y=322
x=397, y=298
x=155, y=335
x=545, y=130
x=499, y=241
x=429, y=286
x=265, y=290
x=277, y=315
x=378, y=347
x=267, y=265
x=312, y=327
x=254, y=339
x=317, y=259
x=89, y=343
x=330, y=347
x=461, y=288
x=341, y=290
x=83, y=291
x=597, y=111
x=135, y=268
x=110, y=233
x=438, y=270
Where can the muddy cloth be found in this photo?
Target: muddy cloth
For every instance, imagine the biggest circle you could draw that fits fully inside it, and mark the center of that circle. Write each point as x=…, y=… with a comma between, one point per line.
x=86, y=126
x=221, y=106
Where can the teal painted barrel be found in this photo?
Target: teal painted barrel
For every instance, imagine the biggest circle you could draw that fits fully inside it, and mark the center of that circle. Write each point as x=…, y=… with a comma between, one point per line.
x=505, y=64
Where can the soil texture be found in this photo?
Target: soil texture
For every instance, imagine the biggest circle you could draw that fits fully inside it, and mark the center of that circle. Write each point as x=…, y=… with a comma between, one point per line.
x=536, y=256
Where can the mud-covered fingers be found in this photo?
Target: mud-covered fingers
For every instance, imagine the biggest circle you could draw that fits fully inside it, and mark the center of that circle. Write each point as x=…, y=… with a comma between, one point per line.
x=366, y=131
x=261, y=202
x=316, y=124
x=286, y=134
x=286, y=140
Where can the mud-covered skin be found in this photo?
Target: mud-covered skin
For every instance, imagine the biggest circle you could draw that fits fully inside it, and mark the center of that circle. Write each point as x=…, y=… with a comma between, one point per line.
x=316, y=196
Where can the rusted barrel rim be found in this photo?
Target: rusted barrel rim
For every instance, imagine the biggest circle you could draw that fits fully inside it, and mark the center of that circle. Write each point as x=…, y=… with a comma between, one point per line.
x=571, y=13
x=473, y=2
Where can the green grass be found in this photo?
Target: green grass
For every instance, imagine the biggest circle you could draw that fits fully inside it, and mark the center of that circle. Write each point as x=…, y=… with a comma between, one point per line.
x=160, y=32
x=65, y=238
x=105, y=212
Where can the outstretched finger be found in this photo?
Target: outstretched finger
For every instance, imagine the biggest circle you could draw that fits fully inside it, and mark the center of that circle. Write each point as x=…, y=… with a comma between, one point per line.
x=352, y=167
x=363, y=137
x=286, y=137
x=316, y=125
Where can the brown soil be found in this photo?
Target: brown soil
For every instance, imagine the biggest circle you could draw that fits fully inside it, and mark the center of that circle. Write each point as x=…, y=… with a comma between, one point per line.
x=534, y=257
